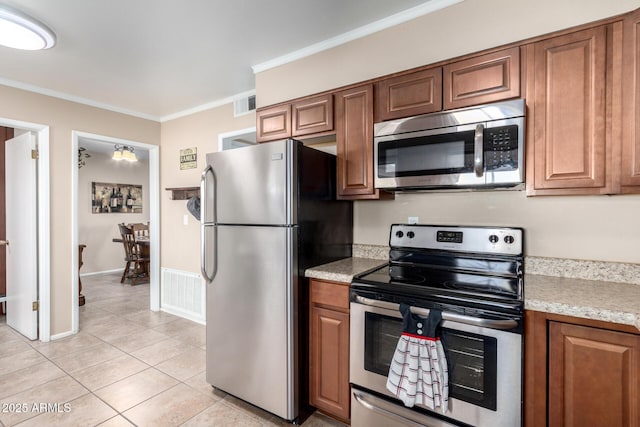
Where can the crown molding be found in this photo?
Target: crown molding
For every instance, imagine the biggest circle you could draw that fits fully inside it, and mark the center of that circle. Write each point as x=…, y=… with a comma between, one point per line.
x=374, y=27
x=76, y=99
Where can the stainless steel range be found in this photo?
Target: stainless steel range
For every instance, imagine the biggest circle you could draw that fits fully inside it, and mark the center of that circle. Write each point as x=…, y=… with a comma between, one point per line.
x=474, y=275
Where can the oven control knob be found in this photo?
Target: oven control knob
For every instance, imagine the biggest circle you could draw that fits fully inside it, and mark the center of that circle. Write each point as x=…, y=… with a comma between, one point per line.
x=411, y=234
x=493, y=238
x=508, y=239
x=399, y=234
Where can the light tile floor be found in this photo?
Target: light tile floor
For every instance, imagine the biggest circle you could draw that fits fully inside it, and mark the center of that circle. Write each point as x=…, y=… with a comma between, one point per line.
x=127, y=366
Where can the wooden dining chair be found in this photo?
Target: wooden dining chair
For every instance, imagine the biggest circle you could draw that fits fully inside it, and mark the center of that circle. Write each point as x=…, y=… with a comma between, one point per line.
x=140, y=229
x=133, y=257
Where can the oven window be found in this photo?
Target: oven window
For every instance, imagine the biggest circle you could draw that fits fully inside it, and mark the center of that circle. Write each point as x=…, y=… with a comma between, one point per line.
x=471, y=358
x=426, y=155
x=381, y=336
x=472, y=362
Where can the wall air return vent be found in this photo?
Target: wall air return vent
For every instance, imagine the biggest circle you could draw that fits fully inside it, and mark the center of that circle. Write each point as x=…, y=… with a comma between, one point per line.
x=244, y=105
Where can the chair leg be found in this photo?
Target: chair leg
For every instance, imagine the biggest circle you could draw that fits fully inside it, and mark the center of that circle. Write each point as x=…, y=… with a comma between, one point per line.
x=126, y=270
x=136, y=271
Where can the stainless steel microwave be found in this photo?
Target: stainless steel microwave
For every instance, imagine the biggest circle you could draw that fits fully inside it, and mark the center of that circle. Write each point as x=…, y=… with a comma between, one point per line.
x=472, y=147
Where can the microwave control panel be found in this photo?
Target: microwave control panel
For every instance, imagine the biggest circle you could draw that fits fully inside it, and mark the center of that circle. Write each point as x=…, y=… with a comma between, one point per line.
x=501, y=148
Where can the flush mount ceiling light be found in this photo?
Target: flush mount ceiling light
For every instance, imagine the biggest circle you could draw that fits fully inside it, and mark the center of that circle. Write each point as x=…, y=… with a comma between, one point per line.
x=21, y=31
x=124, y=152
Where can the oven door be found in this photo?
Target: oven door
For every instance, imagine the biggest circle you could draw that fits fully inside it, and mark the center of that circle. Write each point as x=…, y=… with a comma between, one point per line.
x=480, y=393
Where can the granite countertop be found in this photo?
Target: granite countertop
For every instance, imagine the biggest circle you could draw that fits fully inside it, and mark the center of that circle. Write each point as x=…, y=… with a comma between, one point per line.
x=588, y=299
x=344, y=269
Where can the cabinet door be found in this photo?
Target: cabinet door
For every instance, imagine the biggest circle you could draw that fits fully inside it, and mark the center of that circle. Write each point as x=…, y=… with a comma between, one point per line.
x=273, y=123
x=313, y=115
x=567, y=111
x=594, y=377
x=354, y=143
x=630, y=178
x=329, y=368
x=486, y=78
x=409, y=95
x=329, y=348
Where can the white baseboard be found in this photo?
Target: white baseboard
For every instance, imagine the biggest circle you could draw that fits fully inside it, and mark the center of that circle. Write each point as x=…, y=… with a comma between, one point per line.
x=98, y=273
x=61, y=335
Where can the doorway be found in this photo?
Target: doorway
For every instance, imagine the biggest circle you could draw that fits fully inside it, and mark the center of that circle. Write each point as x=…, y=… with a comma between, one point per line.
x=107, y=143
x=42, y=218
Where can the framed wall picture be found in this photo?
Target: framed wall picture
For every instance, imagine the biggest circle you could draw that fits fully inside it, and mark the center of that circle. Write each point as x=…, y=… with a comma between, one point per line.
x=116, y=198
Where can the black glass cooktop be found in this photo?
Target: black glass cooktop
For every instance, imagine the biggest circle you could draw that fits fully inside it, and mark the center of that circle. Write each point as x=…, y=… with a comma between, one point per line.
x=420, y=279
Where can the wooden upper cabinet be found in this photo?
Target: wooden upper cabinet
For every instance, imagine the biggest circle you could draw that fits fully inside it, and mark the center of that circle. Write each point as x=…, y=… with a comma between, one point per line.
x=566, y=97
x=486, y=78
x=354, y=143
x=409, y=95
x=273, y=123
x=594, y=377
x=630, y=171
x=312, y=115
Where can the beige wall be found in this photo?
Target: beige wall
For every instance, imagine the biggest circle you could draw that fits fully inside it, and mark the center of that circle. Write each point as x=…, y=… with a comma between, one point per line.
x=464, y=28
x=180, y=246
x=582, y=227
x=600, y=228
x=97, y=230
x=63, y=117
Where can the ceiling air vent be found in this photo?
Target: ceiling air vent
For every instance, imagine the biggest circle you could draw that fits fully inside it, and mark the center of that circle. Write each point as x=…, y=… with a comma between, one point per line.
x=244, y=105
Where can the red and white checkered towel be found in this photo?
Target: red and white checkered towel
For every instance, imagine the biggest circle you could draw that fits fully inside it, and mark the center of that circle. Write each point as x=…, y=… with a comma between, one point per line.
x=418, y=372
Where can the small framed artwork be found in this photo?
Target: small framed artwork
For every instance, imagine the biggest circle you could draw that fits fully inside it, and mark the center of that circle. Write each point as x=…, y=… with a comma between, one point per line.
x=116, y=198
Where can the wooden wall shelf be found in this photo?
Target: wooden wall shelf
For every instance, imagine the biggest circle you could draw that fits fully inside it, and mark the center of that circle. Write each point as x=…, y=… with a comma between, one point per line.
x=183, y=193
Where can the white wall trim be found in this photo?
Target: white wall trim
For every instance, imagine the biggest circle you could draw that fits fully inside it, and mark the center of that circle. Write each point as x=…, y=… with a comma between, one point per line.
x=374, y=27
x=77, y=99
x=222, y=136
x=207, y=106
x=154, y=218
x=100, y=273
x=61, y=335
x=44, y=215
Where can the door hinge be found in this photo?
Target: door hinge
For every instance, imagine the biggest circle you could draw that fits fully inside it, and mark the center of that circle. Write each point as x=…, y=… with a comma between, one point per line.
x=35, y=306
x=34, y=154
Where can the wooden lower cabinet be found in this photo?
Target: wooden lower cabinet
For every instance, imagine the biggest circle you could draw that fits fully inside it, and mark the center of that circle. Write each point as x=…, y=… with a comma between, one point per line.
x=580, y=374
x=329, y=348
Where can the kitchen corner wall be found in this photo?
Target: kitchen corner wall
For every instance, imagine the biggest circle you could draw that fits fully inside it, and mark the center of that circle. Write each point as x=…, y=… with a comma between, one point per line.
x=581, y=227
x=96, y=230
x=180, y=246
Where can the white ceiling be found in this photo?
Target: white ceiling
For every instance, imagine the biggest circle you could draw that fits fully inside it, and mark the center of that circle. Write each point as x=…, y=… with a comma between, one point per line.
x=161, y=58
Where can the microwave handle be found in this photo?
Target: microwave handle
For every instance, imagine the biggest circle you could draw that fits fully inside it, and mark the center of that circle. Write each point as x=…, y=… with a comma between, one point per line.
x=478, y=150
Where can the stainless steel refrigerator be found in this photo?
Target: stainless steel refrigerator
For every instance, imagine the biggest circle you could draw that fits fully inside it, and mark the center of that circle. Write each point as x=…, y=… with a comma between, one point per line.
x=268, y=212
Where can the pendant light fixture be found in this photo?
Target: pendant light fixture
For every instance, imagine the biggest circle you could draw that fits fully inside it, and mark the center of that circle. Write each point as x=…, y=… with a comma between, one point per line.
x=20, y=31
x=124, y=152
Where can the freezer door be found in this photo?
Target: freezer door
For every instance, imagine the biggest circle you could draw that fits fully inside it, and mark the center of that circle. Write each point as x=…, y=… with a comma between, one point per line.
x=253, y=185
x=251, y=317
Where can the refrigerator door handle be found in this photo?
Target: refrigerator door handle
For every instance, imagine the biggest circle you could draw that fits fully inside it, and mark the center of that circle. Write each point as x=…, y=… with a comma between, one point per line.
x=205, y=224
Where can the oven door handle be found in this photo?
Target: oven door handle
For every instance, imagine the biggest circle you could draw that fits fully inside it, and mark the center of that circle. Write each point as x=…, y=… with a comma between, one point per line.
x=503, y=324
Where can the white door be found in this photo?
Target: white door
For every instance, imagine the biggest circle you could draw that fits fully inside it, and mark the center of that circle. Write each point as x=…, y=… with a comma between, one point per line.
x=22, y=254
